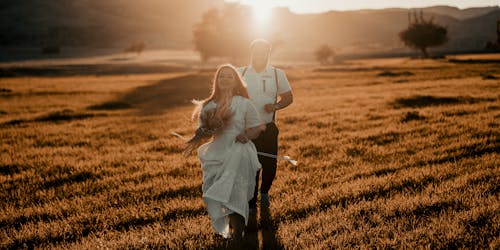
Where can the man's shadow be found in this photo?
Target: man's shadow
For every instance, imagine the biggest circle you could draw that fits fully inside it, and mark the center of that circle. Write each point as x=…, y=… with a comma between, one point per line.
x=265, y=229
x=251, y=239
x=268, y=230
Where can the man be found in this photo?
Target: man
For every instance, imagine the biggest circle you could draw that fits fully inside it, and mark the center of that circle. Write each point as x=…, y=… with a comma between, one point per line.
x=265, y=84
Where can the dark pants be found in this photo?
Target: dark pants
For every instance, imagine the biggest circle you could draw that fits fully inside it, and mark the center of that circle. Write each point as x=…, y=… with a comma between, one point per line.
x=267, y=142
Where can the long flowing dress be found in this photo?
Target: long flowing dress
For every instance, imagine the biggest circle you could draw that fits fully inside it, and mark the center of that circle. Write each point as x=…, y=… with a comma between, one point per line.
x=229, y=167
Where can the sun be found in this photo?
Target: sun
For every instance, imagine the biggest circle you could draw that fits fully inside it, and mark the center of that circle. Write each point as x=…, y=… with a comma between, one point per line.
x=262, y=11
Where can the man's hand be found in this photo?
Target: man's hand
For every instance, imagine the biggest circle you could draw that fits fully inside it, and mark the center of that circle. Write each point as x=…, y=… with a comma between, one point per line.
x=269, y=108
x=242, y=138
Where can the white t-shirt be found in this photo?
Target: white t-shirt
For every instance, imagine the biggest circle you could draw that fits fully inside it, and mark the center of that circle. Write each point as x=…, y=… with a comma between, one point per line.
x=262, y=90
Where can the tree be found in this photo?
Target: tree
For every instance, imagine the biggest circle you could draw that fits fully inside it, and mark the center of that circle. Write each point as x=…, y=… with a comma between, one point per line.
x=422, y=34
x=223, y=33
x=136, y=47
x=205, y=37
x=325, y=54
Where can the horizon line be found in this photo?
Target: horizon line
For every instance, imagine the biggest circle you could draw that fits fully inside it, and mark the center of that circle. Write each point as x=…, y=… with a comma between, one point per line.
x=384, y=8
x=326, y=10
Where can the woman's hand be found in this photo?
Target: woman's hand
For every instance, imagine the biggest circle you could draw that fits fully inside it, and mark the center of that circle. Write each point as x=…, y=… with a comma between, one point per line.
x=242, y=138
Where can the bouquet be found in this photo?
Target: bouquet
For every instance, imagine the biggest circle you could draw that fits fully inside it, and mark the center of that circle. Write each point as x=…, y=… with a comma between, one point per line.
x=212, y=123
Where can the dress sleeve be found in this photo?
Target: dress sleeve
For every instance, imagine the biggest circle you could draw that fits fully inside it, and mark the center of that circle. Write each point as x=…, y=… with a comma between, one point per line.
x=252, y=117
x=283, y=84
x=240, y=70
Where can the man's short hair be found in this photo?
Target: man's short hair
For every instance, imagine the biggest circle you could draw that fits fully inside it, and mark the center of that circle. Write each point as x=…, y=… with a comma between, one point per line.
x=260, y=42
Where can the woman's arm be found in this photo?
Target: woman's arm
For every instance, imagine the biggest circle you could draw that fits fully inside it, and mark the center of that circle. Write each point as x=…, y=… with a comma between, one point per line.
x=253, y=133
x=250, y=134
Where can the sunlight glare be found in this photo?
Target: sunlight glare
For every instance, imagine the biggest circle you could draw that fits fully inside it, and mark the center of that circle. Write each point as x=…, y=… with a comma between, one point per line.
x=262, y=11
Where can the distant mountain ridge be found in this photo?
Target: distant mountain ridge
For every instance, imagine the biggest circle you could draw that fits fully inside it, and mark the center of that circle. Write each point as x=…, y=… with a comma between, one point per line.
x=97, y=23
x=369, y=31
x=460, y=14
x=168, y=24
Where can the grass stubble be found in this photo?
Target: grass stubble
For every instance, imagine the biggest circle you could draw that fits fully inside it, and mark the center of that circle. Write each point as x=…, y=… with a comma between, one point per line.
x=405, y=155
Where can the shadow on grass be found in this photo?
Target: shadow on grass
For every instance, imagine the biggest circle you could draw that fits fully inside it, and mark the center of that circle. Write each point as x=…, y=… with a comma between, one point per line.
x=395, y=74
x=64, y=115
x=480, y=228
x=456, y=113
x=412, y=116
x=407, y=186
x=136, y=222
x=478, y=149
x=122, y=199
x=383, y=138
x=88, y=69
x=163, y=146
x=17, y=222
x=11, y=94
x=185, y=191
x=14, y=168
x=269, y=228
x=428, y=210
x=268, y=239
x=353, y=69
x=71, y=179
x=475, y=61
x=158, y=97
x=86, y=226
x=376, y=173
x=293, y=119
x=111, y=105
x=486, y=76
x=490, y=146
x=314, y=151
x=420, y=101
x=60, y=142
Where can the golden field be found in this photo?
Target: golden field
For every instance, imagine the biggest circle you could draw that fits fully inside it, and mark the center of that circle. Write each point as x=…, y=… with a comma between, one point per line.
x=393, y=153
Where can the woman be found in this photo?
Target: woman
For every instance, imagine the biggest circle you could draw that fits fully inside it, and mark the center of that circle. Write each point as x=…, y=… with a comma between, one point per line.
x=229, y=161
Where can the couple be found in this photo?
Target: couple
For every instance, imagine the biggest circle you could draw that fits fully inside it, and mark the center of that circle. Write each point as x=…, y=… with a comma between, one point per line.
x=239, y=116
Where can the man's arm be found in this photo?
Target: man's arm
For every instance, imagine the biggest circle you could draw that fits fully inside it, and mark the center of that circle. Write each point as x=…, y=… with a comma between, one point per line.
x=285, y=100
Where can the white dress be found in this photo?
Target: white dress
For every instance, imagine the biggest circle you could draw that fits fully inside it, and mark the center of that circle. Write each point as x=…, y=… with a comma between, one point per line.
x=229, y=167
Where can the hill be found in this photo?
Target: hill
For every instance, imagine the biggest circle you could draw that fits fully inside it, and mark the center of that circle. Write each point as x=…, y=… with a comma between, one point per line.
x=94, y=23
x=460, y=14
x=168, y=25
x=375, y=31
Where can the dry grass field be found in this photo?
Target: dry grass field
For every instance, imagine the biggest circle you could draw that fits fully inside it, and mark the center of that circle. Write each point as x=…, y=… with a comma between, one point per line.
x=393, y=153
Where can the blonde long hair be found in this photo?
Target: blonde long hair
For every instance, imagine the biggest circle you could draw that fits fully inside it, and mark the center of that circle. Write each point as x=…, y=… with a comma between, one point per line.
x=239, y=89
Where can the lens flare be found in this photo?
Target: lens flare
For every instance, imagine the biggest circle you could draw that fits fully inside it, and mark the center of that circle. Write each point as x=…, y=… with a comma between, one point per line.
x=262, y=11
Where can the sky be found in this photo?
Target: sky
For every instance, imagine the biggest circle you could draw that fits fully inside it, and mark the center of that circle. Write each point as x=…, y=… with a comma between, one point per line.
x=314, y=6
